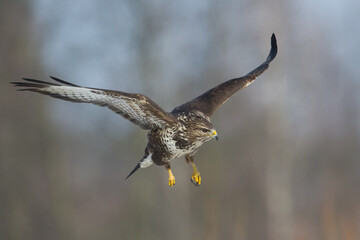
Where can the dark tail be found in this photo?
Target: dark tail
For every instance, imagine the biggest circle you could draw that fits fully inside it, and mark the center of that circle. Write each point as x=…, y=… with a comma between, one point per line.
x=134, y=170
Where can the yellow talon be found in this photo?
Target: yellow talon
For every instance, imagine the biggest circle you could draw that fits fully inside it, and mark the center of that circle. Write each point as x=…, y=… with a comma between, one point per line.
x=171, y=178
x=195, y=178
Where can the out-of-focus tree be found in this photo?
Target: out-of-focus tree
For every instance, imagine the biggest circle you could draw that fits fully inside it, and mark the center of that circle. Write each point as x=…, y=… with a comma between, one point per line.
x=26, y=164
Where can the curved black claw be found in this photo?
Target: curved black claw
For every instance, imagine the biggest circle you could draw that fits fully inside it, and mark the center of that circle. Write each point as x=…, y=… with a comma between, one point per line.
x=196, y=183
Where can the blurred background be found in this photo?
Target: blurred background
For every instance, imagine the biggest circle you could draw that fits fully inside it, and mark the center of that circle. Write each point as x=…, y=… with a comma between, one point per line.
x=287, y=162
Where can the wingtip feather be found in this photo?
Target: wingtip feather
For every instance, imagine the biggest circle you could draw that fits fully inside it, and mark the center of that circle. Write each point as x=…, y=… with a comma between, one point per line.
x=63, y=82
x=273, y=50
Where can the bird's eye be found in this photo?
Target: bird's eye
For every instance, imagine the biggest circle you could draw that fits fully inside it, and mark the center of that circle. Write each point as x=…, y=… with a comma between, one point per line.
x=205, y=130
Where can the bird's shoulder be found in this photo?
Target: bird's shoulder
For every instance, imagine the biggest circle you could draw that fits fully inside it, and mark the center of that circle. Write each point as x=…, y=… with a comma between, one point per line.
x=193, y=116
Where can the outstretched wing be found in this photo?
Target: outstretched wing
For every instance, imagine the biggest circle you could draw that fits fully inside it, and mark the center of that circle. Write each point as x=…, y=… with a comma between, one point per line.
x=211, y=100
x=137, y=108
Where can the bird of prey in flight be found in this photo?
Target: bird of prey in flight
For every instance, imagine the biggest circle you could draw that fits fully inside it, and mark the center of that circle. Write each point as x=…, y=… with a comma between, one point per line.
x=170, y=134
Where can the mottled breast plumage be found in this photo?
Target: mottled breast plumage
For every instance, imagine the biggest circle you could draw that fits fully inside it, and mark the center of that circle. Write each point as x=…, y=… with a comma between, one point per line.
x=178, y=140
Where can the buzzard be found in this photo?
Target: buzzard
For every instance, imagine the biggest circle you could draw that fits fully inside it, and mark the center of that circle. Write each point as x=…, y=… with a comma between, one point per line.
x=170, y=134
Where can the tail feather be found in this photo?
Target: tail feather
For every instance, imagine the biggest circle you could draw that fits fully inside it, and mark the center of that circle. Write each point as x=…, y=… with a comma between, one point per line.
x=133, y=171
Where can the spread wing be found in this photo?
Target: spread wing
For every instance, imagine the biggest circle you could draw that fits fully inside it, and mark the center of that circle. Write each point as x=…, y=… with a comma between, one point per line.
x=211, y=100
x=137, y=108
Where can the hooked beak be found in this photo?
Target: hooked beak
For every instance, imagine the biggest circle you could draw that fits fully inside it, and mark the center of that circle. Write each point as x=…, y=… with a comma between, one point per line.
x=215, y=135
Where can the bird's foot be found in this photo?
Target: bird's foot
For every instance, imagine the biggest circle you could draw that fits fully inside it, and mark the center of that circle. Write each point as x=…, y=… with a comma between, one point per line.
x=171, y=178
x=196, y=178
x=171, y=181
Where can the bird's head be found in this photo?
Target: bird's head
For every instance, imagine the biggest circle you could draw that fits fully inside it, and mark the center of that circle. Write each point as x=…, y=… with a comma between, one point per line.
x=205, y=131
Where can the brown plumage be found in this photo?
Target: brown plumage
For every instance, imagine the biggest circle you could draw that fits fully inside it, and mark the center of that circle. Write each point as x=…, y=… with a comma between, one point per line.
x=170, y=135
